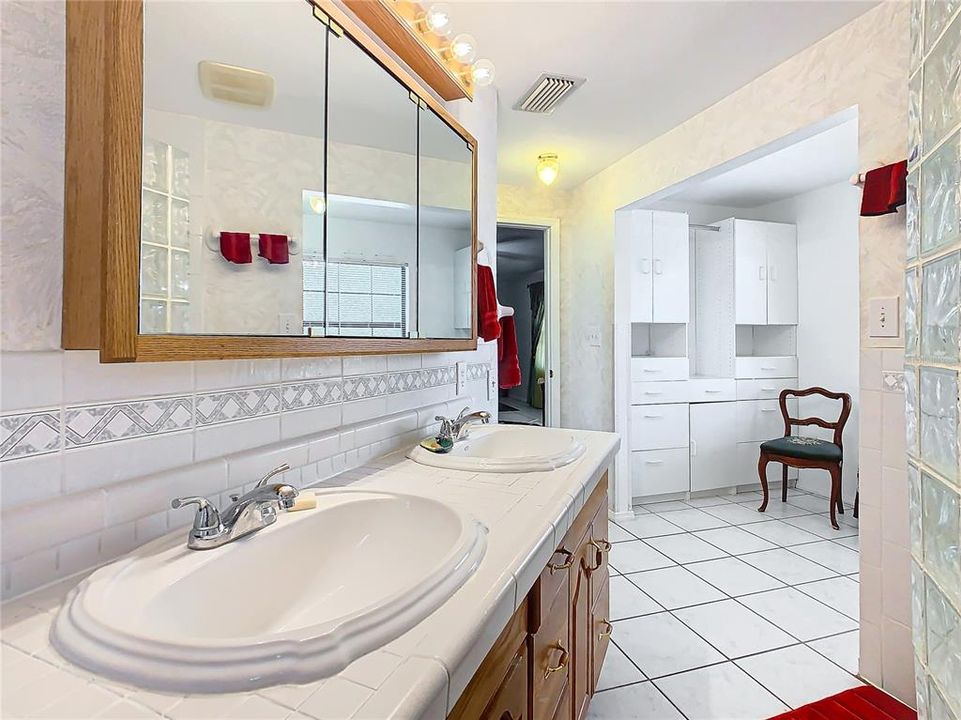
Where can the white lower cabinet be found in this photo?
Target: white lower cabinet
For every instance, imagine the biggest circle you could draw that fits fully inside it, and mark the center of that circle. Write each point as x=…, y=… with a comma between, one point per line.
x=747, y=457
x=657, y=472
x=713, y=445
x=760, y=420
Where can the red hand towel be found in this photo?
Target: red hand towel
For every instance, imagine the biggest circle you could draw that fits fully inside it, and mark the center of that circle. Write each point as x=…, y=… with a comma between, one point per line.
x=235, y=247
x=508, y=366
x=884, y=189
x=274, y=248
x=487, y=326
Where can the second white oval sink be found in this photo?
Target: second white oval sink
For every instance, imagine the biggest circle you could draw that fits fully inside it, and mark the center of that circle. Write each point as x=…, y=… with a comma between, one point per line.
x=292, y=603
x=506, y=449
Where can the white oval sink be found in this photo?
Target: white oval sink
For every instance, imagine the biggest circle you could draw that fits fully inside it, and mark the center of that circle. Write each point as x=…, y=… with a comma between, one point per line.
x=506, y=449
x=292, y=603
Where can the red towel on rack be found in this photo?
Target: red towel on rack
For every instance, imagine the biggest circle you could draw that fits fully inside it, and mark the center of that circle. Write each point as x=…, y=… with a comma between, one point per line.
x=274, y=248
x=487, y=326
x=508, y=366
x=235, y=247
x=884, y=189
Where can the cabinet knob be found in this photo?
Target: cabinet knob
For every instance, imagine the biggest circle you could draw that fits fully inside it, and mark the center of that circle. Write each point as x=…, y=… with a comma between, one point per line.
x=561, y=663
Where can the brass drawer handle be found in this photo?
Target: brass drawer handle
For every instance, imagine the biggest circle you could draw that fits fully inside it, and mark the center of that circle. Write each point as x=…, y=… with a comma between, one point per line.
x=607, y=632
x=602, y=545
x=565, y=656
x=564, y=565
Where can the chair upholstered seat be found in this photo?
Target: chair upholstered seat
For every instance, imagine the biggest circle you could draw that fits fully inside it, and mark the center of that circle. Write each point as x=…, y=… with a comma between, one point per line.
x=803, y=448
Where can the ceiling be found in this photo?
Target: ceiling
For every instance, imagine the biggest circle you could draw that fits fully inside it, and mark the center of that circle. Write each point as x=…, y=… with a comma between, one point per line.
x=649, y=66
x=823, y=159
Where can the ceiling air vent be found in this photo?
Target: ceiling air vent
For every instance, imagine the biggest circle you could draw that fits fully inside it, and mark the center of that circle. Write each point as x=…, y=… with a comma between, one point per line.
x=229, y=83
x=547, y=93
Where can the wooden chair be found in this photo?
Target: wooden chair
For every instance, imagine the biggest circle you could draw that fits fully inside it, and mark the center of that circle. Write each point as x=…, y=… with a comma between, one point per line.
x=807, y=452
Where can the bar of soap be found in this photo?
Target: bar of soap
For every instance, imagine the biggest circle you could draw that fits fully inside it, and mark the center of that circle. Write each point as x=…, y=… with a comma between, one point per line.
x=305, y=501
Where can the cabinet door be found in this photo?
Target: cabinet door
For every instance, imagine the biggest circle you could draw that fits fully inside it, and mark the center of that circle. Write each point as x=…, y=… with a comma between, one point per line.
x=641, y=241
x=602, y=632
x=582, y=626
x=750, y=273
x=713, y=445
x=672, y=276
x=781, y=274
x=510, y=702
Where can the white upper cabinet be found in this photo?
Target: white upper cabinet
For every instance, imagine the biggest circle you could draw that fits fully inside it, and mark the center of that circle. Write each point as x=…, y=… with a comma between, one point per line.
x=659, y=267
x=765, y=273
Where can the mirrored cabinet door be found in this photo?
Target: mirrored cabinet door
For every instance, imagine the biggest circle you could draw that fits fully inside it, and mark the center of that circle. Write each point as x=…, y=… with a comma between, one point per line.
x=233, y=181
x=445, y=229
x=371, y=269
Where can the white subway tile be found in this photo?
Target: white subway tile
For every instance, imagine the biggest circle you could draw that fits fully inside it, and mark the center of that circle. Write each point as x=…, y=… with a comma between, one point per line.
x=253, y=465
x=219, y=440
x=403, y=362
x=365, y=364
x=86, y=380
x=347, y=439
x=384, y=429
x=218, y=374
x=30, y=480
x=151, y=527
x=79, y=554
x=117, y=540
x=362, y=410
x=870, y=371
x=416, y=399
x=143, y=497
x=51, y=523
x=310, y=368
x=300, y=423
x=108, y=463
x=30, y=380
x=323, y=447
x=31, y=572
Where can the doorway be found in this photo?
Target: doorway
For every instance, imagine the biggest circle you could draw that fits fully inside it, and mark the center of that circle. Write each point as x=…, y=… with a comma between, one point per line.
x=527, y=295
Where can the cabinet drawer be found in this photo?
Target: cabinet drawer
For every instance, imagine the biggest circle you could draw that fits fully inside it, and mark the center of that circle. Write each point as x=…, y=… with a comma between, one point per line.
x=655, y=368
x=511, y=699
x=711, y=390
x=656, y=427
x=555, y=579
x=763, y=389
x=552, y=657
x=760, y=420
x=652, y=393
x=765, y=367
x=656, y=472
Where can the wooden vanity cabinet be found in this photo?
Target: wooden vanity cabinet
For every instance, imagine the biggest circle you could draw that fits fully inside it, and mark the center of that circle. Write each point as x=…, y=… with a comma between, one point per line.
x=557, y=638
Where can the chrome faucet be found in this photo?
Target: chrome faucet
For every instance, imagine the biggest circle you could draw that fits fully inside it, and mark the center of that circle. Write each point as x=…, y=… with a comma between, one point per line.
x=459, y=428
x=247, y=514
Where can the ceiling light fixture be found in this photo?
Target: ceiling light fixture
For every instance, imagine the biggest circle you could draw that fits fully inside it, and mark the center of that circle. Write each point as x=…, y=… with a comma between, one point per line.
x=463, y=48
x=437, y=19
x=482, y=73
x=548, y=167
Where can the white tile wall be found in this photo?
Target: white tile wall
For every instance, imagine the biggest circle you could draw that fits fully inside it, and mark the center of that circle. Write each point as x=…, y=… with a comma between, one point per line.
x=91, y=454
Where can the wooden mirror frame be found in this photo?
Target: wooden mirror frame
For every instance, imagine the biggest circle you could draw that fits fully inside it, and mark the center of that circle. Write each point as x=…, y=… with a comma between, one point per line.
x=104, y=141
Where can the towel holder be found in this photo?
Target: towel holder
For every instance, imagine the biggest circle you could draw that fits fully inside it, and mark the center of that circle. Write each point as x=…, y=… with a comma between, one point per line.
x=858, y=177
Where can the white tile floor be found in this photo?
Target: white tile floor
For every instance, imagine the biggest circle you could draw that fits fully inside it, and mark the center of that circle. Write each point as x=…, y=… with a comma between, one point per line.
x=724, y=613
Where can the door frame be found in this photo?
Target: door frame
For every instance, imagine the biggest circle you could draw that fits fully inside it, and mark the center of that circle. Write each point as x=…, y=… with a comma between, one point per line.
x=552, y=302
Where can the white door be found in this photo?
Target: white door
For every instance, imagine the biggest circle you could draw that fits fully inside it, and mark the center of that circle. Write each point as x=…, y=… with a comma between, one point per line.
x=641, y=243
x=713, y=445
x=781, y=274
x=672, y=277
x=750, y=273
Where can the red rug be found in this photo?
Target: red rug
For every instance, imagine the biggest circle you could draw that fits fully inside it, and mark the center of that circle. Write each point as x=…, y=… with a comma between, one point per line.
x=862, y=703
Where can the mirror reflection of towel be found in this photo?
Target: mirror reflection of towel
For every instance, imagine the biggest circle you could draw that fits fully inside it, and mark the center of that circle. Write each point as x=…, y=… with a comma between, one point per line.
x=487, y=326
x=508, y=366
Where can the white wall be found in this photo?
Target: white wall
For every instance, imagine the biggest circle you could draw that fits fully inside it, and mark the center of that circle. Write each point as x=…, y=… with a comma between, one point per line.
x=91, y=454
x=827, y=332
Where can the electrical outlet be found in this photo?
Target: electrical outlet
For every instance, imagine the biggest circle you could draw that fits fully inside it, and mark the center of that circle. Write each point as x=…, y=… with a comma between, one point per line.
x=594, y=336
x=884, y=318
x=461, y=376
x=289, y=324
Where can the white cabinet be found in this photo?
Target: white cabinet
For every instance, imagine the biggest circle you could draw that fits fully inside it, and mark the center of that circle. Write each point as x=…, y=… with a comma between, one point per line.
x=659, y=427
x=646, y=369
x=713, y=446
x=660, y=267
x=658, y=472
x=765, y=273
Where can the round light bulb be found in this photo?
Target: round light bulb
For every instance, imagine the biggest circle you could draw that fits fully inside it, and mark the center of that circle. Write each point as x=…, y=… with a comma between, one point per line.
x=463, y=48
x=483, y=73
x=317, y=204
x=437, y=19
x=548, y=168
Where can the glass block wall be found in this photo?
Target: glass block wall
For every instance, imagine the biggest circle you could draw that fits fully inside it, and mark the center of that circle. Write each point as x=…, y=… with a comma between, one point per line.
x=933, y=352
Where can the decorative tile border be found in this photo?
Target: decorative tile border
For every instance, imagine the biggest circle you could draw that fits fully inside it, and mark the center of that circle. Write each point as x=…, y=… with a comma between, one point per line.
x=39, y=432
x=95, y=424
x=892, y=380
x=33, y=433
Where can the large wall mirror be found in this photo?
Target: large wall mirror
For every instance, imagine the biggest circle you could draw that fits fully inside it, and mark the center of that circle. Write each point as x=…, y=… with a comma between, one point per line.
x=296, y=187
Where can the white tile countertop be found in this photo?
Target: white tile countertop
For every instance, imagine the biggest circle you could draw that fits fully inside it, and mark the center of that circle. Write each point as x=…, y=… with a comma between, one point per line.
x=421, y=674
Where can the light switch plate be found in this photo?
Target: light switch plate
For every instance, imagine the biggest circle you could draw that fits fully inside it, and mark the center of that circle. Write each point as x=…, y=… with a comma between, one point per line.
x=884, y=317
x=461, y=376
x=491, y=386
x=594, y=336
